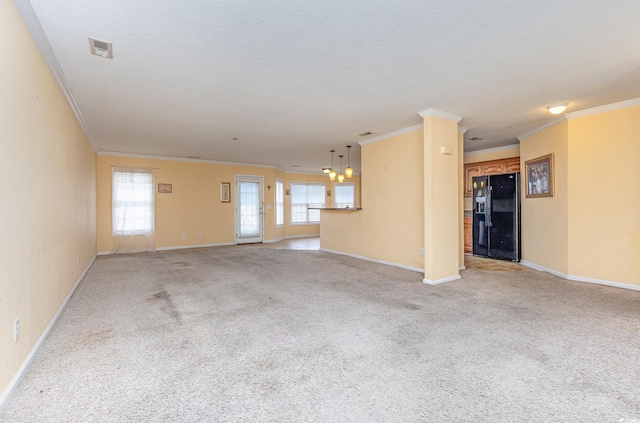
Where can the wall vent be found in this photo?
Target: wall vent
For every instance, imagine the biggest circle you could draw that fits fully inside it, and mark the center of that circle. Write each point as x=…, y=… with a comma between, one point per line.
x=101, y=48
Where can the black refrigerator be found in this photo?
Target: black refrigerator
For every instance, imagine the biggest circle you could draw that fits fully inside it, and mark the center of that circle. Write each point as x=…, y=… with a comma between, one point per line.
x=496, y=216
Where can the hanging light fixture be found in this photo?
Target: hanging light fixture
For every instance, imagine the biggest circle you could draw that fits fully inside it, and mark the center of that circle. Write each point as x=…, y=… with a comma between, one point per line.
x=340, y=175
x=332, y=173
x=328, y=169
x=348, y=172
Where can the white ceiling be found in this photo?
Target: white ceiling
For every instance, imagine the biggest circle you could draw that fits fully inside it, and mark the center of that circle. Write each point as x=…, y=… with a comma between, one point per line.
x=293, y=79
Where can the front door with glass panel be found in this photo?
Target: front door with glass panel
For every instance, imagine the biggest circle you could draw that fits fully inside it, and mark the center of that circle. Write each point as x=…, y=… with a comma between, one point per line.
x=248, y=209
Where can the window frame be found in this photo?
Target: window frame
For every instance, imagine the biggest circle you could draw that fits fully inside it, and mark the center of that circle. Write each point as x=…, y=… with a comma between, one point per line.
x=324, y=198
x=335, y=194
x=279, y=205
x=150, y=228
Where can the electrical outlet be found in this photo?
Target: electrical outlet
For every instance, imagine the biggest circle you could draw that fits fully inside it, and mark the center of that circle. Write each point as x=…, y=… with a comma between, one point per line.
x=199, y=234
x=77, y=260
x=421, y=251
x=16, y=330
x=183, y=236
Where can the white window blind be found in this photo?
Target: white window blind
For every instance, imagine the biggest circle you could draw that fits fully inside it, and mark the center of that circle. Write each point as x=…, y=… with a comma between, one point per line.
x=345, y=195
x=303, y=196
x=279, y=202
x=133, y=201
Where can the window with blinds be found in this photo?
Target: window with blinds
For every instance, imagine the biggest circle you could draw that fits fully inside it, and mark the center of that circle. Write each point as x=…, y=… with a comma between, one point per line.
x=345, y=195
x=303, y=196
x=279, y=202
x=133, y=201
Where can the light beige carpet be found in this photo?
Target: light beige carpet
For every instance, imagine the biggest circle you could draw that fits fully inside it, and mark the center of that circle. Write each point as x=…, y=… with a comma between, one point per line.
x=256, y=334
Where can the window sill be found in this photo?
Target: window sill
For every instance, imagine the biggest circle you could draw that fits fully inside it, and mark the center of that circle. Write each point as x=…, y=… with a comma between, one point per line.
x=339, y=209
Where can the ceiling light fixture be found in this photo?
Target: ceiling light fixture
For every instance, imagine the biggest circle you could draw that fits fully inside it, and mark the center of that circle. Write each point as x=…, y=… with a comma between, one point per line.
x=556, y=109
x=328, y=169
x=332, y=173
x=348, y=172
x=340, y=175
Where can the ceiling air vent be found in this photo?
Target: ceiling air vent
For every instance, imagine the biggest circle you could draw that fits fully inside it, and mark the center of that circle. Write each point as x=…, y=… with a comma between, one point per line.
x=101, y=48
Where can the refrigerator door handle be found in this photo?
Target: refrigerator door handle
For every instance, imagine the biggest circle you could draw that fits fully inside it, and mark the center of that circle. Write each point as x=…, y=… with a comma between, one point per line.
x=487, y=208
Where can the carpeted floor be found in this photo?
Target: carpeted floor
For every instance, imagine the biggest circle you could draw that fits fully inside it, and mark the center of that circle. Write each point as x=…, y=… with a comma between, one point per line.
x=247, y=333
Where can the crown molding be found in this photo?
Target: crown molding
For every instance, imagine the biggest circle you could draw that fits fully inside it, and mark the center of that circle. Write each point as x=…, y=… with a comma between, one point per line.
x=462, y=129
x=185, y=159
x=491, y=150
x=541, y=128
x=301, y=172
x=37, y=33
x=392, y=134
x=220, y=162
x=439, y=113
x=605, y=108
x=586, y=112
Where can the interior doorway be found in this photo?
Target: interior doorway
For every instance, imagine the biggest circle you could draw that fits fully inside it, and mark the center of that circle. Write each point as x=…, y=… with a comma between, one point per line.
x=249, y=216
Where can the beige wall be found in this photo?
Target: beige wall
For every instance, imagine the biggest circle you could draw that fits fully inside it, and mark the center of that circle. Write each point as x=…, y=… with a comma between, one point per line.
x=194, y=204
x=441, y=200
x=390, y=227
x=461, y=198
x=590, y=229
x=604, y=196
x=544, y=220
x=48, y=195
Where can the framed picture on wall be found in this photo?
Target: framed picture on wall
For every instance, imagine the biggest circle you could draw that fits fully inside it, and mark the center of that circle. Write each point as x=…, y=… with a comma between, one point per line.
x=164, y=188
x=225, y=192
x=539, y=177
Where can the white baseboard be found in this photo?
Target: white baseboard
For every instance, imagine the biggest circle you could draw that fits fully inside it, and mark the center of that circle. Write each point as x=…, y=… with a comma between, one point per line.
x=462, y=267
x=580, y=278
x=388, y=263
x=603, y=282
x=183, y=247
x=177, y=247
x=543, y=269
x=186, y=247
x=443, y=280
x=13, y=385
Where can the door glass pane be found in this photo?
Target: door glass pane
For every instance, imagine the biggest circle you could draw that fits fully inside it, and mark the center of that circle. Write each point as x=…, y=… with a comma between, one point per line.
x=249, y=209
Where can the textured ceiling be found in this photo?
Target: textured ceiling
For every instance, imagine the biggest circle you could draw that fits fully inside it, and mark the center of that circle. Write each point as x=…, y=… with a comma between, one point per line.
x=290, y=80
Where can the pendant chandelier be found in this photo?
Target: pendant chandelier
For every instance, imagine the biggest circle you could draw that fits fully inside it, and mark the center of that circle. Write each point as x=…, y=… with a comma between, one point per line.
x=348, y=171
x=333, y=175
x=340, y=175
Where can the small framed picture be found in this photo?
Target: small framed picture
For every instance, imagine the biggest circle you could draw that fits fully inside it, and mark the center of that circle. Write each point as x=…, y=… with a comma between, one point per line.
x=225, y=192
x=539, y=177
x=164, y=188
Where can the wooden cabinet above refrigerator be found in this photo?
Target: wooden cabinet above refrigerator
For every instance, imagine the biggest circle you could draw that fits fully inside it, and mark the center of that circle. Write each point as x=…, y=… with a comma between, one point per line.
x=491, y=167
